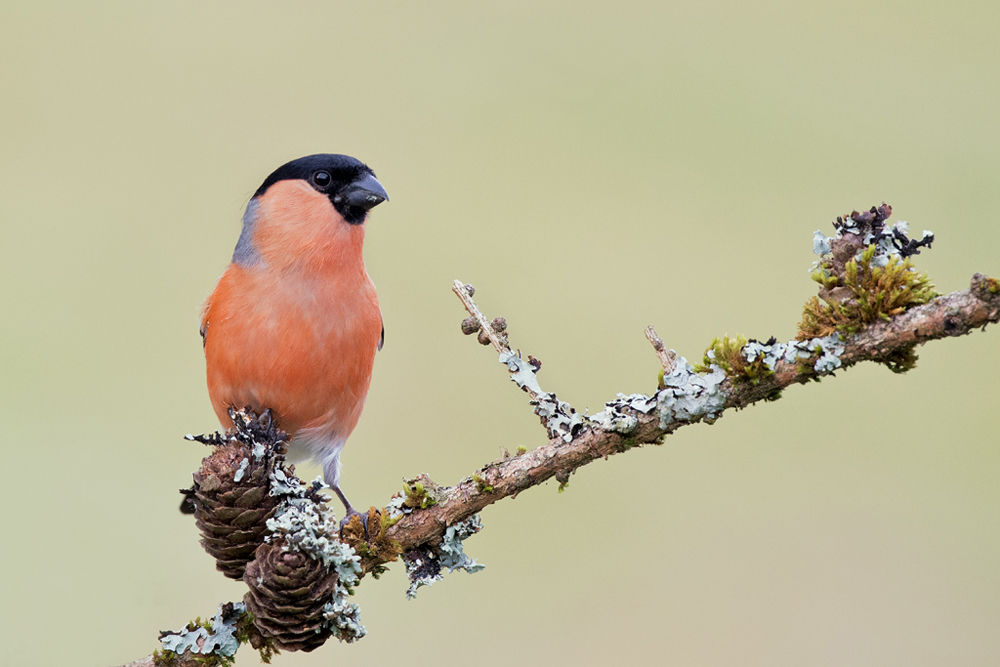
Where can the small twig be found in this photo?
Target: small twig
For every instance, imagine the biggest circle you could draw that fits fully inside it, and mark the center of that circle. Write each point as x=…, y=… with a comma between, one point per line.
x=465, y=293
x=558, y=417
x=668, y=358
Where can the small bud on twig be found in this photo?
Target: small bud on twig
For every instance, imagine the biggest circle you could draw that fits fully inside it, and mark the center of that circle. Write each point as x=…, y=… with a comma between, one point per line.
x=470, y=326
x=490, y=332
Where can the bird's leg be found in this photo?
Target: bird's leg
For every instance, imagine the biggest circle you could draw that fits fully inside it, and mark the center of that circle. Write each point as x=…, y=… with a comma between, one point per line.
x=350, y=512
x=265, y=419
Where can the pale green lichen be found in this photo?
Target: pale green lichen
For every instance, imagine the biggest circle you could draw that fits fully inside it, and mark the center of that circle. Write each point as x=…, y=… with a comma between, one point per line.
x=688, y=396
x=453, y=554
x=615, y=416
x=285, y=485
x=344, y=620
x=826, y=350
x=727, y=353
x=560, y=419
x=216, y=640
x=242, y=470
x=684, y=396
x=312, y=529
x=397, y=508
x=424, y=565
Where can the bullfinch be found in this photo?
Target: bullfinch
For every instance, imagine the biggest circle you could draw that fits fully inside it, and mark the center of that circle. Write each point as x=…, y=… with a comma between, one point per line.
x=293, y=325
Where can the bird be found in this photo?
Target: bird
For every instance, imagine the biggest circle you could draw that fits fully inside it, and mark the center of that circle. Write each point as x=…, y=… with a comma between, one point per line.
x=293, y=325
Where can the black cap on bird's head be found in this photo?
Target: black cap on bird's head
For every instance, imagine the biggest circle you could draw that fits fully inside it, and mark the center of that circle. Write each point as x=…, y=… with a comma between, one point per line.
x=349, y=183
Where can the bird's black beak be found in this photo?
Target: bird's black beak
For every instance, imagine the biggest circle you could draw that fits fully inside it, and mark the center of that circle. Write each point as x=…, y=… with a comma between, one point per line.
x=366, y=193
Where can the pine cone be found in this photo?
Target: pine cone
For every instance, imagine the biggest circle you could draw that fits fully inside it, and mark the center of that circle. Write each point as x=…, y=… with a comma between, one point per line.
x=232, y=515
x=288, y=591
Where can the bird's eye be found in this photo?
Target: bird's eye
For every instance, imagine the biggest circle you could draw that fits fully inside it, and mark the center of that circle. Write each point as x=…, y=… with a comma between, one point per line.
x=322, y=178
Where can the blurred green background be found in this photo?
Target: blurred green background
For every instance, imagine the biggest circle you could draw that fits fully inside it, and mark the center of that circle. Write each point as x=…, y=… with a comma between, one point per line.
x=591, y=168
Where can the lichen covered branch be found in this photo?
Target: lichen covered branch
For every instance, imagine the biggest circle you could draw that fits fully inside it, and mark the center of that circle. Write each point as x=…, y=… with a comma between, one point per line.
x=954, y=314
x=874, y=307
x=265, y=526
x=951, y=315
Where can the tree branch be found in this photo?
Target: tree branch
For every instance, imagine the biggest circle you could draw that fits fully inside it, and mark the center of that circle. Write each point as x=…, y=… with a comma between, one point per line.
x=955, y=314
x=276, y=533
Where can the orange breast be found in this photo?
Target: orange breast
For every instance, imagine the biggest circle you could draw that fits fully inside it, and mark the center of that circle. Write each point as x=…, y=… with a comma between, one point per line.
x=302, y=345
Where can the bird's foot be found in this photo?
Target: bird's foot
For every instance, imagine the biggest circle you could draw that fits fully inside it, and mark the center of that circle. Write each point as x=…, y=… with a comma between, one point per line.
x=351, y=513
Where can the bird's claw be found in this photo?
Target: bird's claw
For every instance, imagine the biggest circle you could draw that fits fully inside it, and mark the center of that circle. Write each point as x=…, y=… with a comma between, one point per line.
x=351, y=513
